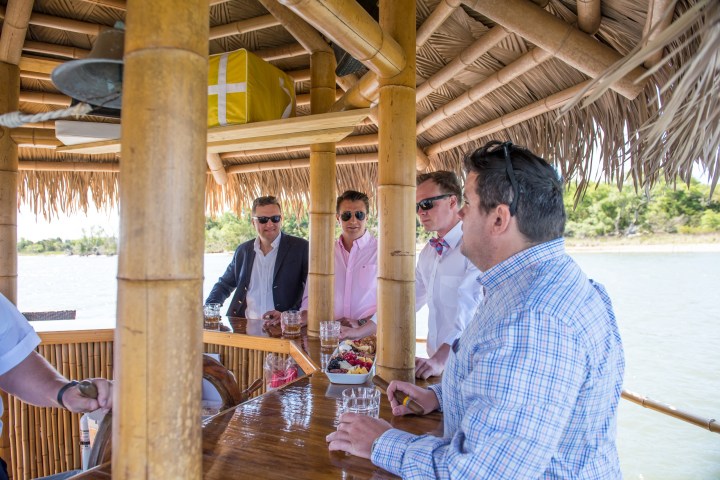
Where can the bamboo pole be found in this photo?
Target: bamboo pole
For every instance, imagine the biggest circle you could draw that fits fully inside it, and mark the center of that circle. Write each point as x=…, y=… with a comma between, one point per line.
x=217, y=169
x=299, y=75
x=656, y=22
x=158, y=340
x=361, y=95
x=396, y=193
x=466, y=58
x=17, y=16
x=28, y=63
x=545, y=105
x=57, y=50
x=243, y=26
x=10, y=80
x=321, y=268
x=443, y=10
x=352, y=28
x=45, y=98
x=67, y=24
x=522, y=65
x=306, y=36
x=710, y=424
x=589, y=16
x=346, y=82
x=281, y=52
x=122, y=4
x=577, y=49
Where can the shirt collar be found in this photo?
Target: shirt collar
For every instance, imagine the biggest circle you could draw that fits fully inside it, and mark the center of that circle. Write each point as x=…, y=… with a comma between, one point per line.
x=274, y=243
x=361, y=242
x=454, y=236
x=506, y=269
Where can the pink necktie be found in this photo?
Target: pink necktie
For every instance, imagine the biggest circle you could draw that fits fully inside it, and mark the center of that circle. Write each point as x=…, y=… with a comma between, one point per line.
x=438, y=244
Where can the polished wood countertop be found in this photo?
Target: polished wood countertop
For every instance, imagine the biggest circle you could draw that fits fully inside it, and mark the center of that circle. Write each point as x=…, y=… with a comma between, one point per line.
x=281, y=434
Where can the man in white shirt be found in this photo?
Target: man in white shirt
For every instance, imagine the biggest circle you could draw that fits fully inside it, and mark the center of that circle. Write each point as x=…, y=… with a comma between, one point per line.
x=268, y=273
x=444, y=277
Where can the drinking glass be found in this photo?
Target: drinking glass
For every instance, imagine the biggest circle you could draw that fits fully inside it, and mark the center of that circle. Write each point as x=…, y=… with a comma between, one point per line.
x=290, y=321
x=329, y=335
x=362, y=400
x=211, y=316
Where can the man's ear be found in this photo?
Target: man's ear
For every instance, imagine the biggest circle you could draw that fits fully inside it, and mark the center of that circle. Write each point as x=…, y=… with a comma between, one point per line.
x=502, y=218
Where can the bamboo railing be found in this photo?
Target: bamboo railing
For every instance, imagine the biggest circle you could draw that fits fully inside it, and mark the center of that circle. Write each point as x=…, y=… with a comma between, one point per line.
x=44, y=441
x=705, y=423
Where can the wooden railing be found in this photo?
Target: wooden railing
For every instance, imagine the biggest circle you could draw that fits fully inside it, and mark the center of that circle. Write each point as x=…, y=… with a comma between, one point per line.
x=44, y=441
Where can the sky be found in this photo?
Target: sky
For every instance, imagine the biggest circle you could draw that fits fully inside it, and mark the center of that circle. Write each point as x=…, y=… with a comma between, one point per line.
x=66, y=227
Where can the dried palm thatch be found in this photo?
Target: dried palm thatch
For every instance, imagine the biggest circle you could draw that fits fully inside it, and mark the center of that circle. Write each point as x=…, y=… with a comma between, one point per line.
x=497, y=94
x=685, y=128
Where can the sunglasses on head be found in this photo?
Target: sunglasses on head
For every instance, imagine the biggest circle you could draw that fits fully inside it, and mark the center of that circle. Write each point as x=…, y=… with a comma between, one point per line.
x=427, y=203
x=345, y=216
x=264, y=220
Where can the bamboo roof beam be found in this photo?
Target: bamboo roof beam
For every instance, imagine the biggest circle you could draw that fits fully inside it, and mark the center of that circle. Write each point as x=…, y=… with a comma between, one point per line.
x=45, y=98
x=444, y=9
x=346, y=82
x=217, y=169
x=283, y=51
x=577, y=49
x=522, y=65
x=57, y=50
x=299, y=75
x=589, y=16
x=364, y=93
x=67, y=24
x=553, y=102
x=88, y=167
x=122, y=4
x=351, y=27
x=306, y=35
x=28, y=63
x=303, y=99
x=369, y=140
x=466, y=58
x=35, y=76
x=243, y=26
x=15, y=23
x=350, y=159
x=657, y=21
x=35, y=137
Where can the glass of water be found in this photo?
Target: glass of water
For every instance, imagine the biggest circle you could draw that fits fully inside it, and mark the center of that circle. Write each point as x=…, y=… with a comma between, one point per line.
x=362, y=400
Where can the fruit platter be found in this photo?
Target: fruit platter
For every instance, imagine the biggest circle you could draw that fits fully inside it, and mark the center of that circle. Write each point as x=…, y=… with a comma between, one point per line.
x=352, y=362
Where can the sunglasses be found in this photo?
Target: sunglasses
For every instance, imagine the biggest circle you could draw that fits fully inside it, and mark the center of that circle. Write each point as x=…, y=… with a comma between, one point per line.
x=264, y=220
x=345, y=216
x=511, y=176
x=427, y=203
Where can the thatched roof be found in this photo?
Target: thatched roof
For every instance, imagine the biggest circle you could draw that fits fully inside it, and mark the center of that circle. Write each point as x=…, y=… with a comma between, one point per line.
x=507, y=88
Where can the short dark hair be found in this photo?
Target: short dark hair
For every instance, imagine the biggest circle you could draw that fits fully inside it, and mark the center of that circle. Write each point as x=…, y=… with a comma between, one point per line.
x=352, y=196
x=263, y=201
x=539, y=206
x=447, y=181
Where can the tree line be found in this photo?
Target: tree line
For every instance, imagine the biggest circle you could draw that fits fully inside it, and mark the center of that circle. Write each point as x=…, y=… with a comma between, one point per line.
x=602, y=212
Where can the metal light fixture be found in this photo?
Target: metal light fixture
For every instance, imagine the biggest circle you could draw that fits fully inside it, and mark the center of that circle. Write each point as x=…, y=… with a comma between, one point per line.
x=96, y=79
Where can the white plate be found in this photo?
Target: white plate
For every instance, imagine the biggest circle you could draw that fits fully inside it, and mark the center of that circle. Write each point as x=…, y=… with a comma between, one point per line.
x=350, y=378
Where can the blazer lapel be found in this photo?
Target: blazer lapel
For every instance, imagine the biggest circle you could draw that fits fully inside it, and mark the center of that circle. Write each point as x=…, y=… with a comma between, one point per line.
x=282, y=251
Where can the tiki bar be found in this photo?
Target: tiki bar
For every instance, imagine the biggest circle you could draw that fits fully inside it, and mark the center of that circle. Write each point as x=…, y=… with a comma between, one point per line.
x=174, y=110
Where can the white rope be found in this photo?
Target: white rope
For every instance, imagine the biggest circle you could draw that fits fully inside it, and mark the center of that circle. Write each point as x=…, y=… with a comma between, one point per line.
x=18, y=119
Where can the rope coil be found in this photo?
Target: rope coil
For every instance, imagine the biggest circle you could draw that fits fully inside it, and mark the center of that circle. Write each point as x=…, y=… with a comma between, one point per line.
x=18, y=119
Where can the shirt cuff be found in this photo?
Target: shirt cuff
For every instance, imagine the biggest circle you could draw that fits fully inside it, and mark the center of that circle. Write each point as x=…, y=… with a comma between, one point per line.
x=390, y=450
x=437, y=388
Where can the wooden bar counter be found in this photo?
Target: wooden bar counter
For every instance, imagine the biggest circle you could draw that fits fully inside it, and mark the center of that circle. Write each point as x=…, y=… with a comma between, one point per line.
x=281, y=434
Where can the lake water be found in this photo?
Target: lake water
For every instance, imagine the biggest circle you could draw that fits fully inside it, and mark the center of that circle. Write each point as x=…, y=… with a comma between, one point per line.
x=667, y=309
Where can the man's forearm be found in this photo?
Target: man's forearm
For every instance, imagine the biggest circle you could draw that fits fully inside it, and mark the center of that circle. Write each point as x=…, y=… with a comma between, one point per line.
x=34, y=381
x=442, y=354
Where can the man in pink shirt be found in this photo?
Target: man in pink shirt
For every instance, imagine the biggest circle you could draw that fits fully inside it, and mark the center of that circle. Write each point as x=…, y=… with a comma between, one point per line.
x=355, y=268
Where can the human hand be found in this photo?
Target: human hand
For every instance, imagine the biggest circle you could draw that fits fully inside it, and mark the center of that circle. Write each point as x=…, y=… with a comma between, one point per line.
x=349, y=333
x=428, y=367
x=425, y=397
x=271, y=318
x=356, y=433
x=76, y=402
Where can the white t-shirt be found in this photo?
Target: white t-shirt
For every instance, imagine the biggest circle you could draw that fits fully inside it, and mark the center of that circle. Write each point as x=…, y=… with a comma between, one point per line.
x=17, y=339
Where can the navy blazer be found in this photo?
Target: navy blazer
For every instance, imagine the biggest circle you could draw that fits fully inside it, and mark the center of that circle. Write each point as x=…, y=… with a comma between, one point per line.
x=289, y=277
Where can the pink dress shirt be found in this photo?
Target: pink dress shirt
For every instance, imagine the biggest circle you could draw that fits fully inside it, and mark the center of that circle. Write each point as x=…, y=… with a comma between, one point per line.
x=355, y=279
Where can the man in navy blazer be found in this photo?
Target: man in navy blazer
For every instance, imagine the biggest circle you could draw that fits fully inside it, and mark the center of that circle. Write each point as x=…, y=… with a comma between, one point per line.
x=267, y=273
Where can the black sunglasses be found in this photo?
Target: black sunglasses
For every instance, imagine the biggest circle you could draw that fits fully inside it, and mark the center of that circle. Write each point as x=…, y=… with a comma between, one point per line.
x=345, y=216
x=511, y=175
x=264, y=220
x=427, y=203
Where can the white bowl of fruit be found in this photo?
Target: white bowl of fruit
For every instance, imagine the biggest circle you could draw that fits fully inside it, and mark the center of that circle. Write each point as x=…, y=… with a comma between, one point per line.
x=352, y=362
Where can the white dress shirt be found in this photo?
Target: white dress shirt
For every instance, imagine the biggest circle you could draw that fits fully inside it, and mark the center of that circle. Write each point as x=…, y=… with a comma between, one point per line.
x=260, y=292
x=447, y=284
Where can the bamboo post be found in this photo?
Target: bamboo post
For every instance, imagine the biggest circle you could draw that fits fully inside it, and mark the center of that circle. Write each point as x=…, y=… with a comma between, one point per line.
x=396, y=202
x=14, y=28
x=158, y=339
x=216, y=168
x=657, y=20
x=577, y=49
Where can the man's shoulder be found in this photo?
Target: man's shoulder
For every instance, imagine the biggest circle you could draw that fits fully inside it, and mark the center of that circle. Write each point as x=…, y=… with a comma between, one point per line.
x=294, y=241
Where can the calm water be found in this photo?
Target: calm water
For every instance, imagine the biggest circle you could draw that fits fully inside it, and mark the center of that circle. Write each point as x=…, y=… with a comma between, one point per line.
x=667, y=308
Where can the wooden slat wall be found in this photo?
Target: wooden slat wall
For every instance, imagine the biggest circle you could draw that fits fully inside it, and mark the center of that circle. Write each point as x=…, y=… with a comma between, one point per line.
x=44, y=441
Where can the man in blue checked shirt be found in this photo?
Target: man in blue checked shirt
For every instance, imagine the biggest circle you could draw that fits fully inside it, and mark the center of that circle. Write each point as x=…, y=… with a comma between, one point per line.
x=532, y=385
